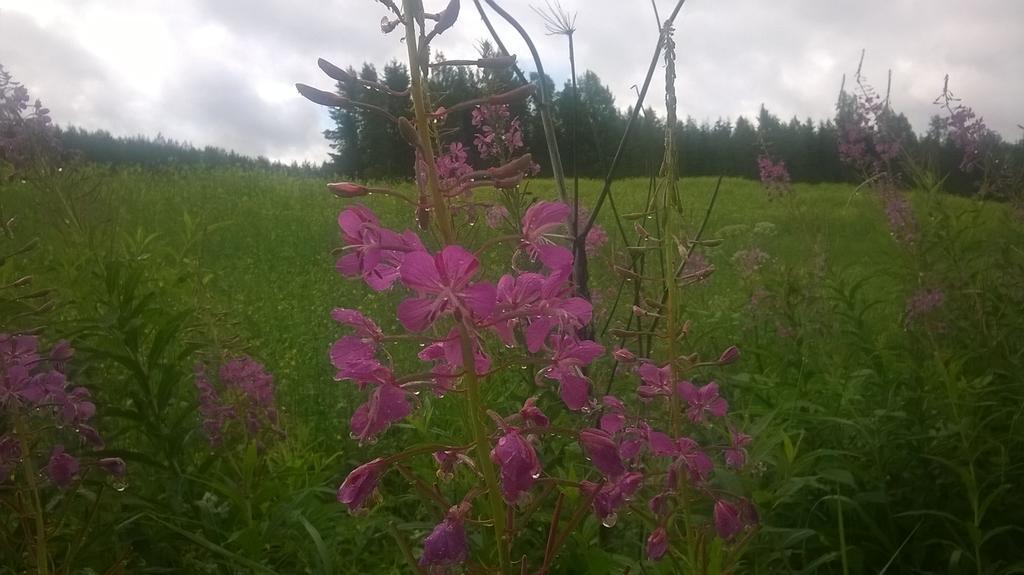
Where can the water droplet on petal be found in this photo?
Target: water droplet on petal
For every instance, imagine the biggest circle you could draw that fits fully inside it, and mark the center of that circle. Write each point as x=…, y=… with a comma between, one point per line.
x=610, y=520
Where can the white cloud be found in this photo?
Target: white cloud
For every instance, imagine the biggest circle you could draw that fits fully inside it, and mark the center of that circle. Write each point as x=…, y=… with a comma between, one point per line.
x=219, y=72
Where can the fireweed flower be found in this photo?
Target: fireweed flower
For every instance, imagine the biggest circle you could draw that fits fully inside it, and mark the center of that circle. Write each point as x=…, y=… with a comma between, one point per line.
x=518, y=465
x=555, y=310
x=702, y=400
x=608, y=497
x=361, y=483
x=374, y=252
x=500, y=135
x=443, y=284
x=693, y=460
x=532, y=414
x=736, y=455
x=602, y=450
x=655, y=380
x=388, y=403
x=921, y=305
x=62, y=468
x=774, y=175
x=727, y=520
x=243, y=395
x=657, y=544
x=449, y=352
x=540, y=222
x=569, y=357
x=363, y=326
x=447, y=544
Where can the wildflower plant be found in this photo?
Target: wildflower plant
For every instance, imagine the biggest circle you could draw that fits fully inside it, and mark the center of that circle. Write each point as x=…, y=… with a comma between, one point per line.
x=660, y=448
x=48, y=444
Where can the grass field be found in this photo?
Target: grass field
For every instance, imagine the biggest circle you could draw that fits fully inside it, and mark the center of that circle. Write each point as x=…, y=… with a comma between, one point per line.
x=837, y=390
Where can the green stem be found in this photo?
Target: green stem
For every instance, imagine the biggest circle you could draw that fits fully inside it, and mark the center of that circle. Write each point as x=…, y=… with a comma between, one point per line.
x=476, y=410
x=29, y=472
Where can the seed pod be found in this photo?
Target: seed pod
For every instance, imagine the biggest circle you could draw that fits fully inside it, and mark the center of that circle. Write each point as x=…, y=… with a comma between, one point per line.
x=323, y=98
x=334, y=71
x=348, y=189
x=497, y=62
x=446, y=19
x=521, y=93
x=408, y=131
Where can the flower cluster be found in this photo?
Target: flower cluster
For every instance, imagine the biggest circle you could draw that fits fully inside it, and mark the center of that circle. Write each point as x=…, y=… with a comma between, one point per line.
x=664, y=443
x=774, y=175
x=36, y=397
x=242, y=401
x=26, y=130
x=865, y=142
x=966, y=130
x=921, y=308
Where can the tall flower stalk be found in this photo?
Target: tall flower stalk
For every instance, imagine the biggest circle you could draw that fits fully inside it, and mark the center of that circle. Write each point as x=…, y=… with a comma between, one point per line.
x=536, y=313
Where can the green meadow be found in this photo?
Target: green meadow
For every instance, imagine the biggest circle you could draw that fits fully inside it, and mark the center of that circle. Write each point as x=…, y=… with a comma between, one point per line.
x=881, y=442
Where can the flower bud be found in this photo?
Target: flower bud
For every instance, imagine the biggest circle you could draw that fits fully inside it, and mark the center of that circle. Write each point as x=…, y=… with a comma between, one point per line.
x=532, y=414
x=408, y=131
x=361, y=483
x=727, y=520
x=623, y=355
x=113, y=465
x=657, y=544
x=730, y=355
x=447, y=544
x=348, y=189
x=62, y=468
x=603, y=451
x=497, y=62
x=387, y=26
x=333, y=71
x=323, y=98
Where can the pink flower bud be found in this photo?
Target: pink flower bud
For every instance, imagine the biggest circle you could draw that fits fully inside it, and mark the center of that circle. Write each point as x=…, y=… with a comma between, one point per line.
x=657, y=544
x=348, y=189
x=623, y=355
x=447, y=544
x=603, y=451
x=727, y=520
x=360, y=484
x=532, y=414
x=113, y=465
x=730, y=355
x=63, y=468
x=518, y=465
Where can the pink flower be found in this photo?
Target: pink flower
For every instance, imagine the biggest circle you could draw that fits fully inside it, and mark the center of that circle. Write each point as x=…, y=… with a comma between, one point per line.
x=375, y=253
x=444, y=278
x=539, y=222
x=697, y=463
x=447, y=544
x=62, y=468
x=702, y=400
x=656, y=380
x=363, y=326
x=727, y=520
x=361, y=483
x=570, y=355
x=388, y=404
x=602, y=450
x=657, y=544
x=736, y=454
x=614, y=417
x=449, y=350
x=596, y=238
x=610, y=496
x=518, y=465
x=552, y=310
x=532, y=414
x=496, y=216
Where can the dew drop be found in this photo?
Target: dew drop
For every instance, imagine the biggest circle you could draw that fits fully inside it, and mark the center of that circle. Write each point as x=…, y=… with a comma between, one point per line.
x=610, y=520
x=535, y=475
x=119, y=484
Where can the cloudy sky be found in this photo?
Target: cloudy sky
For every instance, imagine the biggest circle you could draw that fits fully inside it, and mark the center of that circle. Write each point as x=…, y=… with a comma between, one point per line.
x=221, y=72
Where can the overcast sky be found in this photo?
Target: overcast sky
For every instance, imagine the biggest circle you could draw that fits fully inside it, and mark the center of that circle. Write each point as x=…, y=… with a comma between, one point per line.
x=221, y=72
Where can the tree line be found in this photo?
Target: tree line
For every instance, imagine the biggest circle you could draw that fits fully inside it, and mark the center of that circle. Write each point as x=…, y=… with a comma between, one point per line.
x=365, y=145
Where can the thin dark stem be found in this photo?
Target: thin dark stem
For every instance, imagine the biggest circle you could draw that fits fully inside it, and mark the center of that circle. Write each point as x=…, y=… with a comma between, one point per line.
x=544, y=101
x=552, y=531
x=607, y=188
